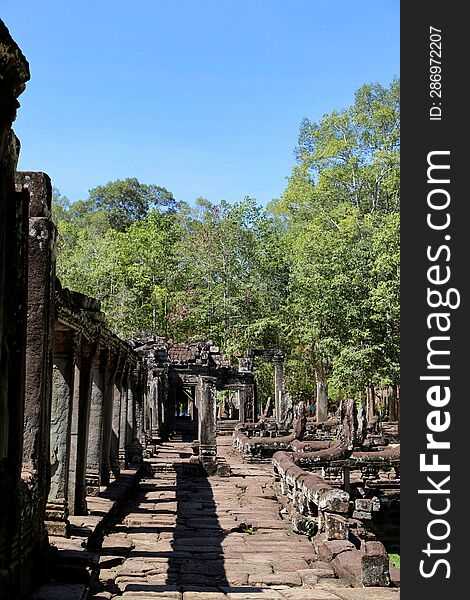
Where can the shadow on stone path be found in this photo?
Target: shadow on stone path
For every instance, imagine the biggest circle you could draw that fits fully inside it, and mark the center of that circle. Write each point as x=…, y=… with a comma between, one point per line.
x=187, y=537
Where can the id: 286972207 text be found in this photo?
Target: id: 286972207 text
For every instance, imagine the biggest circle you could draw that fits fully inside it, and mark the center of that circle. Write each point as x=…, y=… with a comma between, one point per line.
x=435, y=73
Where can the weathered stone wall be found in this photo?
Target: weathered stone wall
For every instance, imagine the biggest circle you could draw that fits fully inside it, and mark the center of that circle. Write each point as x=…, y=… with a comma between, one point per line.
x=14, y=72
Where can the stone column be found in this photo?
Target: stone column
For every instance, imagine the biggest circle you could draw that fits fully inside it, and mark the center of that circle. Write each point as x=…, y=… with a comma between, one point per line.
x=155, y=399
x=246, y=395
x=133, y=449
x=278, y=385
x=116, y=419
x=63, y=375
x=95, y=433
x=38, y=375
x=207, y=407
x=241, y=403
x=122, y=452
x=79, y=429
x=108, y=417
x=140, y=401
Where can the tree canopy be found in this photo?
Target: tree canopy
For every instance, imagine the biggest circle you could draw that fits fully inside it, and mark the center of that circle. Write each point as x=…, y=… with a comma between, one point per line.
x=316, y=273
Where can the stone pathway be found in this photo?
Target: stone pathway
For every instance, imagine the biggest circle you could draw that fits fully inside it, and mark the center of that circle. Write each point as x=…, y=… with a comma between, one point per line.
x=192, y=538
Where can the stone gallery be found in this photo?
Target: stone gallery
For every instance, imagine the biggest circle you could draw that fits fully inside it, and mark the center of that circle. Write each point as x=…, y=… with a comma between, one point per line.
x=145, y=468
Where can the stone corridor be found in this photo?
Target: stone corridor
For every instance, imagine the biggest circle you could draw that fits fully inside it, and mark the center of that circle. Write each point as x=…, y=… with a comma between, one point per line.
x=187, y=537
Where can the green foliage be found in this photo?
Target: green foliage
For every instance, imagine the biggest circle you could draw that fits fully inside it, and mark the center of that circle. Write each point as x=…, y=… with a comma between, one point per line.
x=315, y=274
x=123, y=202
x=394, y=560
x=340, y=208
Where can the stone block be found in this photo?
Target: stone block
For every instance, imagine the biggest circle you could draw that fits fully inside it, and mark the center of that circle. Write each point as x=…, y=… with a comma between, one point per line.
x=363, y=504
x=334, y=501
x=348, y=566
x=303, y=594
x=367, y=594
x=322, y=570
x=361, y=515
x=395, y=575
x=375, y=565
x=327, y=550
x=336, y=527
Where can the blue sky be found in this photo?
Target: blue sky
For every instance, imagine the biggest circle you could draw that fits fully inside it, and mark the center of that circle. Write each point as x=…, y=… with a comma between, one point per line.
x=203, y=97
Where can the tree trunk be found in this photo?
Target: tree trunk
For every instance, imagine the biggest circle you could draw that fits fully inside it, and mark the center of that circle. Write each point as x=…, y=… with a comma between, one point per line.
x=392, y=414
x=322, y=398
x=370, y=402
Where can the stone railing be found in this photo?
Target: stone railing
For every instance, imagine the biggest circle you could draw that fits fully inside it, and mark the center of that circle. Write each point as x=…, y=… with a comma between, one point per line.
x=260, y=448
x=335, y=521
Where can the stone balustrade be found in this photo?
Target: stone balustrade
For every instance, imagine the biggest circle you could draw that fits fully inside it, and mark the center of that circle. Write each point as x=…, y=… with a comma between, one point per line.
x=336, y=522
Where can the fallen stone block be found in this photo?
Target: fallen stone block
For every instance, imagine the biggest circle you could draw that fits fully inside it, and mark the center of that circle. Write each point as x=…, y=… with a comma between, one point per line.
x=375, y=565
x=327, y=550
x=348, y=566
x=334, y=501
x=395, y=575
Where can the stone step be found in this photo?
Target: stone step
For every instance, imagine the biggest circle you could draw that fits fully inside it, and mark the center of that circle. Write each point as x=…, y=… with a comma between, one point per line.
x=163, y=468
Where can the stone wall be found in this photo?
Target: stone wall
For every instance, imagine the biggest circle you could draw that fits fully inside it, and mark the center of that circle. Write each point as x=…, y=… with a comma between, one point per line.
x=14, y=72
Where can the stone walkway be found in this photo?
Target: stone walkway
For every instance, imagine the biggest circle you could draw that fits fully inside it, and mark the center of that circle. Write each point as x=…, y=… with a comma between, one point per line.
x=191, y=538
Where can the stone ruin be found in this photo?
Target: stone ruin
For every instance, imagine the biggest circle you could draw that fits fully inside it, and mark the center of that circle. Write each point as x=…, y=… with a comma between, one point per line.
x=339, y=481
x=79, y=406
x=183, y=382
x=334, y=492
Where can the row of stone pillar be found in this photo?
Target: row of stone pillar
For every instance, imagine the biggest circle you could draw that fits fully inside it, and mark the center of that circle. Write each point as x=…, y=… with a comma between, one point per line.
x=96, y=422
x=82, y=395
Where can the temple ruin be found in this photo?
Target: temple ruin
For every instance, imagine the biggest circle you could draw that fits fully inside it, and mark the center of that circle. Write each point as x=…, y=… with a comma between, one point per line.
x=296, y=504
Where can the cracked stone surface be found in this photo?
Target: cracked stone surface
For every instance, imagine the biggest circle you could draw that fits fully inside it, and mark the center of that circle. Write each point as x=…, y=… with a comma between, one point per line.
x=187, y=537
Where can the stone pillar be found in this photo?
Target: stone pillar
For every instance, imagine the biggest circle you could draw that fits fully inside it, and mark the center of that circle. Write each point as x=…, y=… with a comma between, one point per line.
x=38, y=375
x=278, y=385
x=155, y=400
x=160, y=406
x=122, y=452
x=134, y=417
x=241, y=402
x=79, y=429
x=207, y=407
x=140, y=402
x=108, y=418
x=116, y=419
x=63, y=381
x=95, y=433
x=247, y=411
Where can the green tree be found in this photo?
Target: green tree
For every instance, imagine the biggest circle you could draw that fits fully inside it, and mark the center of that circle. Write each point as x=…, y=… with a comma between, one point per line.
x=124, y=202
x=340, y=212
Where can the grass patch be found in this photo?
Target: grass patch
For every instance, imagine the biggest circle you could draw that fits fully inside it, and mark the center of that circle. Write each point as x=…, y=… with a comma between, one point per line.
x=394, y=560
